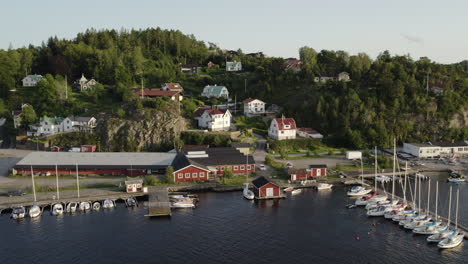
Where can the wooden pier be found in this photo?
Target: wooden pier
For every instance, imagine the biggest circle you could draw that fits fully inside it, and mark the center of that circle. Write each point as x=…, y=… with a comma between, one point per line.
x=158, y=202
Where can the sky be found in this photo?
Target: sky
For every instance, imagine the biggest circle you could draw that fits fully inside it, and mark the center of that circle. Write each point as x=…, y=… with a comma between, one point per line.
x=433, y=28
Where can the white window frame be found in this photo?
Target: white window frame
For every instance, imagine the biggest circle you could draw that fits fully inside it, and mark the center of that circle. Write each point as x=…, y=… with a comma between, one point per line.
x=242, y=167
x=194, y=175
x=222, y=168
x=202, y=174
x=180, y=175
x=187, y=175
x=236, y=168
x=249, y=167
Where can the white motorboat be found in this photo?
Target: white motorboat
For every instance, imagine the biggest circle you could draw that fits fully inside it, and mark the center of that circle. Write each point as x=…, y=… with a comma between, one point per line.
x=96, y=206
x=364, y=200
x=456, y=180
x=452, y=240
x=108, y=204
x=248, y=194
x=358, y=191
x=71, y=207
x=324, y=186
x=403, y=215
x=34, y=211
x=383, y=179
x=57, y=209
x=130, y=202
x=84, y=206
x=373, y=205
x=18, y=212
x=182, y=205
x=410, y=219
x=296, y=191
x=379, y=198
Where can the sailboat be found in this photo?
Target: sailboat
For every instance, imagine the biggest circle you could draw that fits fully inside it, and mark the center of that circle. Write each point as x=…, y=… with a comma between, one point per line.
x=96, y=206
x=248, y=194
x=456, y=238
x=57, y=209
x=359, y=190
x=418, y=216
x=444, y=233
x=373, y=197
x=434, y=227
x=84, y=206
x=72, y=206
x=425, y=221
x=34, y=210
x=408, y=214
x=108, y=204
x=399, y=210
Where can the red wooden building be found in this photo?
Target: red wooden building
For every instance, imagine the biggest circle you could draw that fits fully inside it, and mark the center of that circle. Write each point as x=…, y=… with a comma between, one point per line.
x=211, y=162
x=266, y=189
x=88, y=148
x=134, y=185
x=311, y=173
x=56, y=149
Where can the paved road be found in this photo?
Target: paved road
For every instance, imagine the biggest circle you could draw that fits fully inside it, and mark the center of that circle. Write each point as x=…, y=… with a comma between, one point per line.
x=8, y=158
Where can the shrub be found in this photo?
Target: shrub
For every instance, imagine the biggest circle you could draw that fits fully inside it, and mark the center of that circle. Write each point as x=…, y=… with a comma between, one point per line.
x=150, y=181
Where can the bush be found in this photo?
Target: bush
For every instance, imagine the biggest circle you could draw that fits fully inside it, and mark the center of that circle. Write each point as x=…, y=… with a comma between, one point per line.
x=270, y=161
x=169, y=174
x=150, y=181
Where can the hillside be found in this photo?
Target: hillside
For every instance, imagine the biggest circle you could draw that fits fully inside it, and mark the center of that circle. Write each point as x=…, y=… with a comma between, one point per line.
x=386, y=97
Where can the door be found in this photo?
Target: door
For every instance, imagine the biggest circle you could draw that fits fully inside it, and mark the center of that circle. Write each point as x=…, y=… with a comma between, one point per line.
x=269, y=192
x=319, y=172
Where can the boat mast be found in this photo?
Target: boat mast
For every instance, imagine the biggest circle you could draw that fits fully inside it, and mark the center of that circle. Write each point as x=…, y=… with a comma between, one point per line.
x=428, y=196
x=404, y=185
x=33, y=185
x=456, y=212
x=362, y=173
x=450, y=207
x=393, y=177
x=56, y=181
x=437, y=200
x=375, y=174
x=77, y=182
x=419, y=197
x=415, y=192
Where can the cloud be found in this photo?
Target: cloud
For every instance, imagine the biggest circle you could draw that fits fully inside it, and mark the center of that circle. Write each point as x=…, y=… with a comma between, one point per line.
x=412, y=39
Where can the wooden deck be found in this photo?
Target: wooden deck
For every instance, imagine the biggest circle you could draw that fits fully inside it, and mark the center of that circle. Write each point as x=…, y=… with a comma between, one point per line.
x=158, y=202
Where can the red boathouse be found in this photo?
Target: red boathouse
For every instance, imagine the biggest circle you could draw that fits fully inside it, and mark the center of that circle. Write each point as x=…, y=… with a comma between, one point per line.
x=266, y=189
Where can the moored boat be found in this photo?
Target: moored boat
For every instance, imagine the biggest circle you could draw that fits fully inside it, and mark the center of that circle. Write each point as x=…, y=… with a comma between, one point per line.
x=324, y=186
x=34, y=211
x=248, y=194
x=18, y=212
x=84, y=206
x=130, y=202
x=96, y=206
x=296, y=191
x=71, y=207
x=57, y=209
x=289, y=189
x=108, y=204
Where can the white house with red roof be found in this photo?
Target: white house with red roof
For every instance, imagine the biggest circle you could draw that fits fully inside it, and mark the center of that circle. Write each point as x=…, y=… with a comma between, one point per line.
x=213, y=119
x=175, y=87
x=282, y=128
x=253, y=107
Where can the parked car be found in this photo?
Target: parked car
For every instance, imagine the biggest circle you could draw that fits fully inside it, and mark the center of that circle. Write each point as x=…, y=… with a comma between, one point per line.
x=262, y=167
x=289, y=165
x=16, y=193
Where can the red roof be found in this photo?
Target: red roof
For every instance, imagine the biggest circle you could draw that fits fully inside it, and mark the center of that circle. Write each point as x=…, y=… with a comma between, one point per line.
x=173, y=86
x=285, y=121
x=154, y=92
x=307, y=130
x=210, y=111
x=17, y=112
x=248, y=100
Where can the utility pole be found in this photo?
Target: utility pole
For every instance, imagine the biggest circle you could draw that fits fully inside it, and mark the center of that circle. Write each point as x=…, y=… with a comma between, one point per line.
x=66, y=87
x=33, y=184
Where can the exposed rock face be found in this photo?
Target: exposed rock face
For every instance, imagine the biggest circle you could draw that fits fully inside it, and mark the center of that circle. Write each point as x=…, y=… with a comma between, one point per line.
x=460, y=119
x=145, y=130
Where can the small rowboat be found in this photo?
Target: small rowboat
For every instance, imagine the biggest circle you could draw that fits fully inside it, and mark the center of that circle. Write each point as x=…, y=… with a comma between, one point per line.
x=296, y=191
x=289, y=189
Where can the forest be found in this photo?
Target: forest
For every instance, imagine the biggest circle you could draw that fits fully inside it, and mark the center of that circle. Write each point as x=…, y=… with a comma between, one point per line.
x=387, y=96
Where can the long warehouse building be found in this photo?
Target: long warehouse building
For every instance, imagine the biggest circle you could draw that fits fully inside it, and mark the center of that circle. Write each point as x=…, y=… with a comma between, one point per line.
x=94, y=163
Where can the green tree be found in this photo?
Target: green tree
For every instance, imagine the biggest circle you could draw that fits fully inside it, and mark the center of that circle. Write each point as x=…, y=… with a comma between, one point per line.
x=28, y=116
x=169, y=175
x=308, y=57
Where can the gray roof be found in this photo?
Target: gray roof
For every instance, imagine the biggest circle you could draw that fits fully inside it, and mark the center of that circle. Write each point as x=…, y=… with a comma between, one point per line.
x=146, y=160
x=80, y=118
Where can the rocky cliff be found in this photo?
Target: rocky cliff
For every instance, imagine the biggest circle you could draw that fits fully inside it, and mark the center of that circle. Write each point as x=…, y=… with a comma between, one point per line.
x=143, y=130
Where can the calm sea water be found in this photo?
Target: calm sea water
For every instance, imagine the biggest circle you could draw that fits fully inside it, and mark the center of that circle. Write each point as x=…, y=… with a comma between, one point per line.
x=312, y=227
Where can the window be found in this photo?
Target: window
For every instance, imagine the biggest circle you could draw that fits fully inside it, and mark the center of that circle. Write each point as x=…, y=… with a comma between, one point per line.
x=248, y=167
x=194, y=175
x=187, y=175
x=180, y=175
x=222, y=168
x=282, y=132
x=202, y=174
x=236, y=168
x=242, y=167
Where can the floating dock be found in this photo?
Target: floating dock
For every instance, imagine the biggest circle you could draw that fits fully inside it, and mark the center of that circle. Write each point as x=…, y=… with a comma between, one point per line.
x=158, y=202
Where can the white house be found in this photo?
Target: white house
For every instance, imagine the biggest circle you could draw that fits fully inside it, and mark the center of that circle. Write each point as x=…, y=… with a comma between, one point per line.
x=31, y=80
x=436, y=149
x=253, y=107
x=54, y=125
x=215, y=91
x=233, y=66
x=78, y=123
x=213, y=119
x=84, y=84
x=282, y=128
x=342, y=76
x=307, y=132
